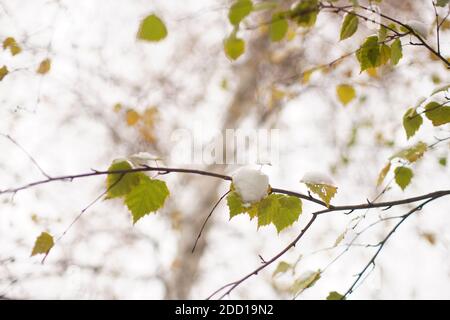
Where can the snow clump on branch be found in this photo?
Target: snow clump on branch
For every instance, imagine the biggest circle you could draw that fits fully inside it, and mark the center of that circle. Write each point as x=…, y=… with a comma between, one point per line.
x=251, y=184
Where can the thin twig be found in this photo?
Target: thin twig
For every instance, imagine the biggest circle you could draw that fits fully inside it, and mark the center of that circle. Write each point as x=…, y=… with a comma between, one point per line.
x=7, y=136
x=206, y=220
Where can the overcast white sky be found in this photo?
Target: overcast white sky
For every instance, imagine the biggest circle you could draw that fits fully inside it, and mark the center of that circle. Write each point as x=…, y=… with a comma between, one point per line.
x=65, y=120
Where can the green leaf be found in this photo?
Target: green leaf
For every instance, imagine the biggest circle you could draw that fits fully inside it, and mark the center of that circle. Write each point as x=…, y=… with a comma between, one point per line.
x=340, y=238
x=239, y=10
x=443, y=161
x=234, y=47
x=382, y=33
x=148, y=196
x=369, y=53
x=3, y=72
x=333, y=295
x=349, y=26
x=289, y=212
x=43, y=244
x=396, y=51
x=282, y=267
x=385, y=54
x=346, y=93
x=324, y=191
x=437, y=113
x=413, y=153
x=278, y=27
x=119, y=184
x=235, y=205
x=305, y=13
x=383, y=173
x=305, y=282
x=152, y=28
x=411, y=122
x=277, y=209
x=442, y=3
x=280, y=210
x=403, y=176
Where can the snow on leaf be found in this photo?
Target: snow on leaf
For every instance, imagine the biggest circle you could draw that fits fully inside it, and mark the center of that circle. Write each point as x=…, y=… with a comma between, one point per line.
x=142, y=158
x=419, y=27
x=250, y=184
x=320, y=184
x=43, y=244
x=315, y=177
x=119, y=184
x=148, y=196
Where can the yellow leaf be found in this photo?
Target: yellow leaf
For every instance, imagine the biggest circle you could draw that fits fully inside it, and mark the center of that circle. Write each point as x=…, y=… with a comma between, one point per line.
x=430, y=237
x=307, y=75
x=291, y=34
x=324, y=191
x=43, y=244
x=11, y=43
x=44, y=66
x=148, y=134
x=132, y=117
x=372, y=72
x=3, y=72
x=346, y=93
x=117, y=107
x=383, y=174
x=149, y=116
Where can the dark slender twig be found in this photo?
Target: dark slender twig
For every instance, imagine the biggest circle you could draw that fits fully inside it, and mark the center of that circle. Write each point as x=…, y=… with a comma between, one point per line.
x=337, y=9
x=382, y=244
x=232, y=285
x=82, y=212
x=7, y=136
x=206, y=220
x=385, y=204
x=438, y=27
